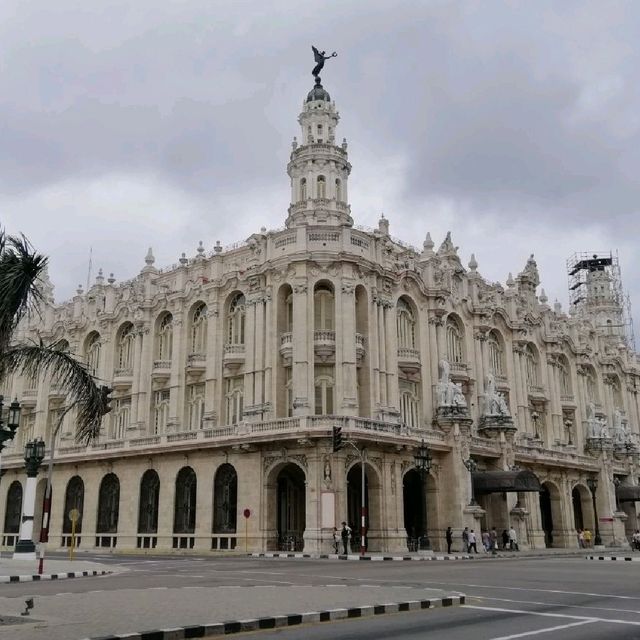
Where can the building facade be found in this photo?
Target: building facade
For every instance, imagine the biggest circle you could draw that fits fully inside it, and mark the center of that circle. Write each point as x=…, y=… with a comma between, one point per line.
x=231, y=368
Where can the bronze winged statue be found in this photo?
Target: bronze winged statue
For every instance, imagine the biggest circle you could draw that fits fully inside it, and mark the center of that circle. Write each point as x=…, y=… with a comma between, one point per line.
x=320, y=58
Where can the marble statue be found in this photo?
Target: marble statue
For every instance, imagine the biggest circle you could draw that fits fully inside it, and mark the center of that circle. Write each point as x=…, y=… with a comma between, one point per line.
x=449, y=393
x=494, y=401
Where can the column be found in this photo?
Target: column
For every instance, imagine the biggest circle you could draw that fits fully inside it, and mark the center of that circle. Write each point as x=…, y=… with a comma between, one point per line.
x=382, y=349
x=346, y=381
x=143, y=360
x=302, y=363
x=393, y=392
x=178, y=363
x=249, y=358
x=25, y=548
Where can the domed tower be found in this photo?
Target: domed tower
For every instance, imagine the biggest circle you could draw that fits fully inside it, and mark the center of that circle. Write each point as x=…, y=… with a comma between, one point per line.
x=319, y=169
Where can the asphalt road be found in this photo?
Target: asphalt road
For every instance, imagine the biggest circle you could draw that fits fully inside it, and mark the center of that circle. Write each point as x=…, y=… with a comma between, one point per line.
x=506, y=598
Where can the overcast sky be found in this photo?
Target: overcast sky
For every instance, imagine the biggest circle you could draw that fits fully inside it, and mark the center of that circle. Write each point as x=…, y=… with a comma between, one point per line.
x=125, y=125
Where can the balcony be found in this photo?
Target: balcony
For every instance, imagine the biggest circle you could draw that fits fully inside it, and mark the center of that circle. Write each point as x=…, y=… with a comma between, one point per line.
x=161, y=369
x=286, y=348
x=360, y=348
x=233, y=355
x=196, y=363
x=324, y=344
x=29, y=397
x=56, y=391
x=568, y=399
x=536, y=391
x=409, y=359
x=123, y=377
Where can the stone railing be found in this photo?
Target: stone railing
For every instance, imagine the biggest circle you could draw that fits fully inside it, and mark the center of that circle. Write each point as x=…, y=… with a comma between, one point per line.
x=28, y=394
x=324, y=336
x=406, y=353
x=285, y=240
x=323, y=236
x=196, y=360
x=160, y=365
x=540, y=452
x=235, y=349
x=286, y=339
x=567, y=398
x=536, y=389
x=126, y=372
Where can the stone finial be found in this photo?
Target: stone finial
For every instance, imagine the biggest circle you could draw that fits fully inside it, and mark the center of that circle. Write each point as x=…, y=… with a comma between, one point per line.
x=149, y=258
x=218, y=247
x=557, y=306
x=200, y=248
x=294, y=144
x=111, y=279
x=79, y=290
x=510, y=281
x=263, y=230
x=184, y=261
x=100, y=277
x=543, y=297
x=473, y=263
x=344, y=144
x=428, y=243
x=383, y=225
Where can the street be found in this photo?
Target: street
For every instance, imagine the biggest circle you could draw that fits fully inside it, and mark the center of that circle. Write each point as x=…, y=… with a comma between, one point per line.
x=566, y=597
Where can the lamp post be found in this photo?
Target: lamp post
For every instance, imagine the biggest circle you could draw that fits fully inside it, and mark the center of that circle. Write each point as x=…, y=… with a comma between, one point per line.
x=13, y=420
x=33, y=456
x=592, y=483
x=423, y=462
x=471, y=466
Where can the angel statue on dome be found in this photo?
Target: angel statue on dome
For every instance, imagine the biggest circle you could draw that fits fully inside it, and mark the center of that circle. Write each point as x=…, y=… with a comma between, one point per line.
x=320, y=58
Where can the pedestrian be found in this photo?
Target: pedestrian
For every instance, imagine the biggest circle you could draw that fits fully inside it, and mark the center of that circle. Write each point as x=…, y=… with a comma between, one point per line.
x=336, y=540
x=587, y=538
x=449, y=538
x=345, y=534
x=513, y=539
x=465, y=539
x=635, y=540
x=581, y=540
x=486, y=540
x=505, y=539
x=471, y=541
x=494, y=539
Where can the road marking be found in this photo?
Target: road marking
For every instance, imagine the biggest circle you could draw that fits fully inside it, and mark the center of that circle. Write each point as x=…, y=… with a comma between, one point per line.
x=553, y=615
x=554, y=604
x=545, y=630
x=269, y=581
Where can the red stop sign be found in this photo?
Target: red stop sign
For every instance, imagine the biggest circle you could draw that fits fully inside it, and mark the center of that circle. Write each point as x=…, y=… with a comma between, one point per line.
x=246, y=513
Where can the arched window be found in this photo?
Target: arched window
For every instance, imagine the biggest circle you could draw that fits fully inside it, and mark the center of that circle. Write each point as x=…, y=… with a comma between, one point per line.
x=323, y=308
x=93, y=353
x=161, y=411
x=338, y=190
x=496, y=355
x=184, y=520
x=195, y=401
x=149, y=500
x=405, y=325
x=303, y=190
x=73, y=499
x=125, y=347
x=164, y=338
x=108, y=504
x=455, y=349
x=13, y=513
x=235, y=399
x=409, y=406
x=225, y=499
x=289, y=311
x=322, y=187
x=121, y=418
x=324, y=383
x=564, y=377
x=531, y=362
x=235, y=320
x=199, y=329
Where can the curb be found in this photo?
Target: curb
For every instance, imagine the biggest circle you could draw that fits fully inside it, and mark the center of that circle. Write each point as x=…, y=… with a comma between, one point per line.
x=614, y=558
x=290, y=620
x=52, y=576
x=333, y=556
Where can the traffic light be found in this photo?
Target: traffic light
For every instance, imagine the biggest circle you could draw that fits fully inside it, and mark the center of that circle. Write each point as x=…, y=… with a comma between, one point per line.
x=337, y=439
x=106, y=398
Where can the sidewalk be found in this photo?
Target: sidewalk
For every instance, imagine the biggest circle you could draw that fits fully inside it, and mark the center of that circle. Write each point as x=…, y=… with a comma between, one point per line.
x=92, y=614
x=25, y=571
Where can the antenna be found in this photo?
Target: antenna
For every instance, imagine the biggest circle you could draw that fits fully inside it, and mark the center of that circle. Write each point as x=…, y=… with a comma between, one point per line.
x=89, y=269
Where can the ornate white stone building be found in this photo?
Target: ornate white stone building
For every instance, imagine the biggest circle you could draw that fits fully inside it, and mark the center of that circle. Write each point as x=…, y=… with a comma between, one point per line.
x=231, y=368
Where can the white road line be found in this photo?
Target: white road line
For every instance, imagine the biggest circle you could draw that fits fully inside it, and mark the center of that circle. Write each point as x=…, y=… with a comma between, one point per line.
x=554, y=604
x=546, y=630
x=269, y=581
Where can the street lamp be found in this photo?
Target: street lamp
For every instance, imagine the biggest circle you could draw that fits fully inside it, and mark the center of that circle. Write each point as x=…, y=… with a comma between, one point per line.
x=471, y=466
x=13, y=420
x=33, y=456
x=423, y=462
x=592, y=483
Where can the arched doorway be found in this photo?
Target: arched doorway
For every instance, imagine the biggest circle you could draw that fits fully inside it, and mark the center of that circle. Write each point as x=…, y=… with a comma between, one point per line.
x=415, y=509
x=225, y=499
x=291, y=508
x=582, y=508
x=73, y=499
x=184, y=513
x=546, y=516
x=108, y=511
x=371, y=503
x=12, y=514
x=148, y=510
x=41, y=489
x=578, y=518
x=551, y=515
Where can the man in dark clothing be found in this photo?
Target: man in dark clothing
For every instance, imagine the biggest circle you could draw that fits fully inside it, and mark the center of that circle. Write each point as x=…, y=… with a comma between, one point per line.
x=505, y=538
x=345, y=534
x=449, y=538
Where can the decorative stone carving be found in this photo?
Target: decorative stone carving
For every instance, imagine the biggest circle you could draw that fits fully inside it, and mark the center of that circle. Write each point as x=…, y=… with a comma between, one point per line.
x=450, y=396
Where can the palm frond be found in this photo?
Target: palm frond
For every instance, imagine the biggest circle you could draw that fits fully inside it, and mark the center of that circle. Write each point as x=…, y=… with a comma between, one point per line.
x=20, y=268
x=66, y=372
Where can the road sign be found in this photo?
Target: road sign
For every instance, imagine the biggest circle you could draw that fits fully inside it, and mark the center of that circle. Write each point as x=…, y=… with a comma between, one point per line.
x=74, y=515
x=246, y=513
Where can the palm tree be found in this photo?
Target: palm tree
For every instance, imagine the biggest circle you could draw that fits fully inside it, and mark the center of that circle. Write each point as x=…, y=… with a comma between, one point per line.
x=21, y=269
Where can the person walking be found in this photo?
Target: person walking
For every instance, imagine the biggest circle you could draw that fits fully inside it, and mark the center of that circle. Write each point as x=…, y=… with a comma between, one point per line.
x=486, y=540
x=336, y=540
x=505, y=539
x=581, y=539
x=449, y=538
x=471, y=540
x=345, y=534
x=465, y=540
x=494, y=539
x=513, y=539
x=587, y=538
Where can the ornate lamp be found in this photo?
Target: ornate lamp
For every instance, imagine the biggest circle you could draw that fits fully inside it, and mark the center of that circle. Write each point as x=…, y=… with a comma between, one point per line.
x=422, y=458
x=14, y=415
x=33, y=456
x=13, y=420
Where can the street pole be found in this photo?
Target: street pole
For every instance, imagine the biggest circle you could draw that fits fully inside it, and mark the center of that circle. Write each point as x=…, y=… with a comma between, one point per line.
x=592, y=483
x=363, y=509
